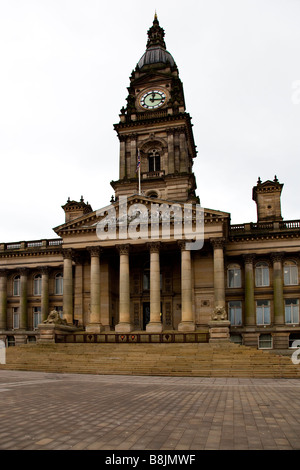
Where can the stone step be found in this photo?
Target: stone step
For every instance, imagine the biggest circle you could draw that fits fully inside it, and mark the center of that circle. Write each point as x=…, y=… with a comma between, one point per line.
x=192, y=359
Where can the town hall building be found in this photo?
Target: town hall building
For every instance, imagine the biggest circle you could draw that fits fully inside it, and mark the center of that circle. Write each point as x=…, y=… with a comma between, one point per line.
x=124, y=269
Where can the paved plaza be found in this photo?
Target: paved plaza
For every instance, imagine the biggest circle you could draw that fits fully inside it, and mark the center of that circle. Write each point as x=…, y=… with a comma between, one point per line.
x=43, y=411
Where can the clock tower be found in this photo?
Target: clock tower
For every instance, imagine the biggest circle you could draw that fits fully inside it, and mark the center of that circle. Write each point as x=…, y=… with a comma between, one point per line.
x=155, y=127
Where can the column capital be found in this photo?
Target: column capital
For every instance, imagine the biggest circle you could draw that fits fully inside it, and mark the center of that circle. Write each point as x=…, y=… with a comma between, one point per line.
x=94, y=250
x=275, y=257
x=44, y=269
x=182, y=244
x=68, y=253
x=123, y=249
x=218, y=242
x=153, y=247
x=249, y=258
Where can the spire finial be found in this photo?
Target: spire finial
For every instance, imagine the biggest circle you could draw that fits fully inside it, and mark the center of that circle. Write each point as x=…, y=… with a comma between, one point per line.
x=155, y=16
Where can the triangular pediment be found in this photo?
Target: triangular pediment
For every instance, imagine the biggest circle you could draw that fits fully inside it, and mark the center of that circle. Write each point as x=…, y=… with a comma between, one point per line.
x=146, y=208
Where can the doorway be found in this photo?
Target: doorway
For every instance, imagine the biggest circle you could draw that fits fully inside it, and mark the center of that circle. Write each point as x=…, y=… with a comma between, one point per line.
x=146, y=314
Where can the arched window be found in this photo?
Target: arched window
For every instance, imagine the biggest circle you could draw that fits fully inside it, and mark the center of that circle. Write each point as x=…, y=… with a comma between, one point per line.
x=234, y=278
x=290, y=273
x=153, y=161
x=262, y=277
x=59, y=281
x=37, y=284
x=16, y=286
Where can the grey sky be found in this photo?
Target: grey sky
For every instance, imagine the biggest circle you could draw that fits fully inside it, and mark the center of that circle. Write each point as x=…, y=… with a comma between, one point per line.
x=65, y=67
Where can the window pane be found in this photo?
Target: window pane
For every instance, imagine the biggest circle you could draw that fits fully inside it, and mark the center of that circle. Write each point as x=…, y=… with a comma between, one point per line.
x=17, y=286
x=59, y=284
x=291, y=311
x=265, y=341
x=235, y=312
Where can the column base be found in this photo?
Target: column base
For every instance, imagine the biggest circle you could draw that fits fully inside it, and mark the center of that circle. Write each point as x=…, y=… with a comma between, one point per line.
x=94, y=328
x=154, y=327
x=123, y=327
x=186, y=326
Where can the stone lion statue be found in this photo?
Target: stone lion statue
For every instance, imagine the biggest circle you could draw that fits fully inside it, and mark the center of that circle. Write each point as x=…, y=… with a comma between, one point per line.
x=219, y=313
x=54, y=317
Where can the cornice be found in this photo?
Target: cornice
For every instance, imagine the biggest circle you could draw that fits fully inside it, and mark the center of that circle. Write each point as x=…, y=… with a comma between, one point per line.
x=31, y=253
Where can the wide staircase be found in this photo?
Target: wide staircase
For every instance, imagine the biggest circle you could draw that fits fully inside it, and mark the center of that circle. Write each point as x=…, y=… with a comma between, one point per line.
x=176, y=359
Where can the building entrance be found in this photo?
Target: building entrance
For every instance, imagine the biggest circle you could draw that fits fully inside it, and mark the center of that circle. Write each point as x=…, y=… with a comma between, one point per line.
x=146, y=314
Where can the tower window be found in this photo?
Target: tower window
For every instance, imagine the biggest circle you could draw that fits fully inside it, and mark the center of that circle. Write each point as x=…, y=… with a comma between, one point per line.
x=154, y=161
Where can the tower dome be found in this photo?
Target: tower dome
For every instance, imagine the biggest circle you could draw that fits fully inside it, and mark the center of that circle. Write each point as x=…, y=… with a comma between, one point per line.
x=156, y=52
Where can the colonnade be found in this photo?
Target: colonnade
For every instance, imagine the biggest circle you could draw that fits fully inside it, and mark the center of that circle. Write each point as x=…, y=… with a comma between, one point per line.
x=94, y=324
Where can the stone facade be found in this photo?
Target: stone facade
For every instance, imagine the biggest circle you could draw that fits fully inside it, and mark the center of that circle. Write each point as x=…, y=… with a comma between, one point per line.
x=241, y=285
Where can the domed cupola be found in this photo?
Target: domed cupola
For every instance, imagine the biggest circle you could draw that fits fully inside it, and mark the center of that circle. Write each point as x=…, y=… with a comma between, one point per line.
x=156, y=52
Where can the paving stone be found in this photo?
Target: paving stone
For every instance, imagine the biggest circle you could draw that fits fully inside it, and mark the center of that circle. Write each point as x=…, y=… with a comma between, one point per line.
x=108, y=412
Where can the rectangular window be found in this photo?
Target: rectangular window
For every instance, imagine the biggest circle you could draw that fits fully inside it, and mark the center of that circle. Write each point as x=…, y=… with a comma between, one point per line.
x=262, y=275
x=59, y=284
x=235, y=312
x=16, y=318
x=37, y=316
x=291, y=310
x=263, y=316
x=265, y=342
x=37, y=285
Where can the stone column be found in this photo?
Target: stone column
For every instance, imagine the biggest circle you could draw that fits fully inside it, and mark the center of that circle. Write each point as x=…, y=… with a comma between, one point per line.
x=124, y=325
x=219, y=277
x=23, y=298
x=249, y=291
x=183, y=151
x=78, y=291
x=45, y=293
x=219, y=325
x=3, y=299
x=68, y=286
x=278, y=288
x=122, y=156
x=155, y=324
x=95, y=315
x=133, y=156
x=187, y=318
x=171, y=154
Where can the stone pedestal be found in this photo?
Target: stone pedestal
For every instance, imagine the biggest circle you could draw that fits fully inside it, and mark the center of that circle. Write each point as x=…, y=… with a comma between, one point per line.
x=219, y=331
x=47, y=331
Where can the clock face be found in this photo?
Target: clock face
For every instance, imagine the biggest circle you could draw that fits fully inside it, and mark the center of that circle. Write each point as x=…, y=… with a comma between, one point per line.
x=153, y=99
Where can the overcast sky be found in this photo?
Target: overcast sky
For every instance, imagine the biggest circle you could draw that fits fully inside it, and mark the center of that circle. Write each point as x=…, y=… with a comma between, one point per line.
x=65, y=67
